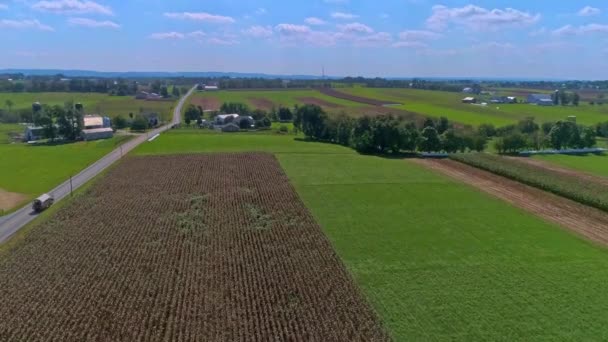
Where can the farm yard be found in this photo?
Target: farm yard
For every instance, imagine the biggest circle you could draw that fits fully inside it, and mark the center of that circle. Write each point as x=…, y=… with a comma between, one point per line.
x=467, y=267
x=448, y=104
x=94, y=103
x=219, y=256
x=30, y=170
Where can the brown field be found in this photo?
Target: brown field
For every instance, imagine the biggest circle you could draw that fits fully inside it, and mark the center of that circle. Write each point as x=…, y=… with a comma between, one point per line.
x=214, y=247
x=207, y=103
x=262, y=103
x=583, y=220
x=10, y=200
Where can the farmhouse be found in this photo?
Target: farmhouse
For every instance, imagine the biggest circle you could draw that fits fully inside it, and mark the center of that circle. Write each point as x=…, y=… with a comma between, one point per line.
x=503, y=99
x=211, y=88
x=469, y=100
x=540, y=99
x=224, y=119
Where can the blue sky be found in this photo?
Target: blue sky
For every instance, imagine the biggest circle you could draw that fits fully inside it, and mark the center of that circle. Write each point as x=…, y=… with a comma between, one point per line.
x=491, y=38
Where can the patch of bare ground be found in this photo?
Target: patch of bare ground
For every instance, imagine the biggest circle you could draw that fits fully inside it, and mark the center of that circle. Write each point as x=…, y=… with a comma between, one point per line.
x=561, y=170
x=227, y=253
x=340, y=95
x=10, y=200
x=207, y=103
x=318, y=102
x=586, y=221
x=261, y=103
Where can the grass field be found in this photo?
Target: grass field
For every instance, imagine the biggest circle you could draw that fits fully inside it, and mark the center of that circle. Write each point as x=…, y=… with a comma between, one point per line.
x=439, y=260
x=594, y=164
x=266, y=99
x=94, y=103
x=437, y=103
x=32, y=170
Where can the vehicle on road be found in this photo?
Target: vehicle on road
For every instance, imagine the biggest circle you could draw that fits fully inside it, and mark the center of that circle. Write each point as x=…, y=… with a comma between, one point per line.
x=42, y=203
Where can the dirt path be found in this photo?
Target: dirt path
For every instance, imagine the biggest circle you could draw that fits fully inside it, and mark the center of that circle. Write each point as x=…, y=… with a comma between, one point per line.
x=9, y=200
x=583, y=220
x=561, y=170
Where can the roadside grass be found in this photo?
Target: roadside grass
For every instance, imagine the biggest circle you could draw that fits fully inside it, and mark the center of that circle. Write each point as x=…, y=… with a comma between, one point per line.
x=94, y=103
x=596, y=164
x=437, y=259
x=448, y=104
x=35, y=169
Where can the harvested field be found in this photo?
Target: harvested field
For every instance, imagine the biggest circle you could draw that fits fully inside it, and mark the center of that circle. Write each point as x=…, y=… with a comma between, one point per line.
x=10, y=200
x=584, y=176
x=354, y=98
x=147, y=254
x=318, y=102
x=583, y=220
x=207, y=103
x=261, y=103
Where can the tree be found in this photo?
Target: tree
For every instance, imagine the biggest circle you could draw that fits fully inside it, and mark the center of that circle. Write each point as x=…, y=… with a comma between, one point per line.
x=311, y=121
x=131, y=116
x=164, y=92
x=527, y=125
x=510, y=143
x=188, y=121
x=564, y=98
x=442, y=125
x=588, y=135
x=564, y=134
x=487, y=130
x=139, y=123
x=120, y=122
x=450, y=142
x=191, y=114
x=175, y=91
x=408, y=137
x=428, y=122
x=285, y=114
x=429, y=140
x=9, y=104
x=576, y=98
x=344, y=127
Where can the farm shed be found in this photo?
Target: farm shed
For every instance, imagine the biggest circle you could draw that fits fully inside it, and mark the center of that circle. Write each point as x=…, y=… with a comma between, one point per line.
x=211, y=88
x=224, y=118
x=540, y=99
x=97, y=133
x=469, y=100
x=33, y=133
x=96, y=121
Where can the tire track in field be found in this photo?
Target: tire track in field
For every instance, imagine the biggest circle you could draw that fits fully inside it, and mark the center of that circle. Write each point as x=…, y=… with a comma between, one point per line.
x=578, y=218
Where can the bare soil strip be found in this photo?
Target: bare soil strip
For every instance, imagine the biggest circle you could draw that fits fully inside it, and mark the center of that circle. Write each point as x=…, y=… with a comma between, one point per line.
x=583, y=220
x=318, y=102
x=581, y=175
x=214, y=247
x=207, y=103
x=10, y=200
x=261, y=103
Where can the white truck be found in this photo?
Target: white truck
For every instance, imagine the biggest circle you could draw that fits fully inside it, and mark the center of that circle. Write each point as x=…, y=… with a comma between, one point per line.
x=43, y=202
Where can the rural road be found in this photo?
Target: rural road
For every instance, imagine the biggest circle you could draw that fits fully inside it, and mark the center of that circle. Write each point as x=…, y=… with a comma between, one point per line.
x=11, y=223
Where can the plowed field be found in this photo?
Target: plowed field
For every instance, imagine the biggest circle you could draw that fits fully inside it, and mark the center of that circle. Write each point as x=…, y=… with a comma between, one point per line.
x=583, y=220
x=191, y=248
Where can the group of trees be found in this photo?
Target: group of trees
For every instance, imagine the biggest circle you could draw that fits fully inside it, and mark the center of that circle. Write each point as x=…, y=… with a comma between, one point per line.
x=119, y=87
x=565, y=98
x=386, y=133
x=527, y=134
x=56, y=121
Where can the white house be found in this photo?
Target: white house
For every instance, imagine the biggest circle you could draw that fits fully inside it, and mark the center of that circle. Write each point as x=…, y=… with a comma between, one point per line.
x=221, y=119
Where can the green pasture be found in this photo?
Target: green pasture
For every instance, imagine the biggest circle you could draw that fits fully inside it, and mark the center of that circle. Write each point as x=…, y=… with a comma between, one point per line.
x=94, y=103
x=437, y=259
x=591, y=163
x=448, y=104
x=276, y=98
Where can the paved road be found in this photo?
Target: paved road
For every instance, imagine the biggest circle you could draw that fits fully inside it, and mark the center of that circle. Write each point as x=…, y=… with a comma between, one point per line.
x=11, y=223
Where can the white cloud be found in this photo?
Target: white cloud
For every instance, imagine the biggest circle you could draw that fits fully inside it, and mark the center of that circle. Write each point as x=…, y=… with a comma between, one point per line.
x=167, y=35
x=197, y=34
x=580, y=30
x=200, y=16
x=291, y=29
x=260, y=11
x=93, y=23
x=355, y=28
x=24, y=24
x=494, y=46
x=589, y=11
x=380, y=38
x=72, y=7
x=416, y=45
x=479, y=18
x=258, y=31
x=336, y=1
x=313, y=21
x=418, y=35
x=3, y=7
x=222, y=41
x=292, y=34
x=344, y=16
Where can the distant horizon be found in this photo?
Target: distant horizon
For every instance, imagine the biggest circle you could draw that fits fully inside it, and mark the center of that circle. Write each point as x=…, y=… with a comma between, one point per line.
x=248, y=74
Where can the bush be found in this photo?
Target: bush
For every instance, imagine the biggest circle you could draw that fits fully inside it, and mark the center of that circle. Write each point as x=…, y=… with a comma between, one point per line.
x=283, y=129
x=120, y=122
x=139, y=123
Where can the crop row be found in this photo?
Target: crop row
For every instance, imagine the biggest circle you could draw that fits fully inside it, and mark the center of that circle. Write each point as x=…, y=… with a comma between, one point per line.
x=583, y=191
x=183, y=248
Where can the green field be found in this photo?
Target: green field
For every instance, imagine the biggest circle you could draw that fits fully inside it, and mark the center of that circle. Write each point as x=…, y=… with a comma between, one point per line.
x=438, y=259
x=595, y=164
x=94, y=103
x=266, y=99
x=448, y=104
x=35, y=169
